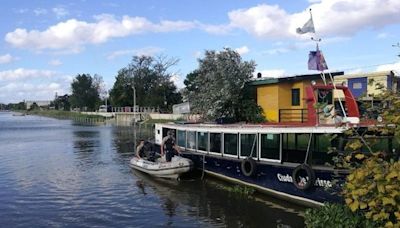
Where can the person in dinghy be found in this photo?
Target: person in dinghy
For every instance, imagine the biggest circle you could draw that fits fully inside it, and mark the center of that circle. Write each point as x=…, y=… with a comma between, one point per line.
x=169, y=147
x=145, y=152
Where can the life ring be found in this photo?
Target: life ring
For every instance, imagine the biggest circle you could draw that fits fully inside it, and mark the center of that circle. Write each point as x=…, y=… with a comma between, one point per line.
x=301, y=182
x=248, y=166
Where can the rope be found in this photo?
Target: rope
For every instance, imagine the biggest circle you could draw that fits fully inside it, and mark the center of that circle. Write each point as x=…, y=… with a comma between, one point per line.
x=252, y=148
x=202, y=174
x=340, y=100
x=308, y=148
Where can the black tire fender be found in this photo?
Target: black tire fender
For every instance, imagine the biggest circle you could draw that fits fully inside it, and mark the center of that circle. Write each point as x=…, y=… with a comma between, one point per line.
x=248, y=167
x=310, y=174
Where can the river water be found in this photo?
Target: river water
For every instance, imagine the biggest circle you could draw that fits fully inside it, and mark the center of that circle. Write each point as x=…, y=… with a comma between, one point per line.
x=54, y=173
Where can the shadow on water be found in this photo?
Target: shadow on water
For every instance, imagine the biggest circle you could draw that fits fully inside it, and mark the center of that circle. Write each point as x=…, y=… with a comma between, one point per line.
x=215, y=206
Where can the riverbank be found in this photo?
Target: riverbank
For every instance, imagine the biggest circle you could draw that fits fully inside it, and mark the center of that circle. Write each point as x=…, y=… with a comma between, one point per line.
x=62, y=114
x=89, y=118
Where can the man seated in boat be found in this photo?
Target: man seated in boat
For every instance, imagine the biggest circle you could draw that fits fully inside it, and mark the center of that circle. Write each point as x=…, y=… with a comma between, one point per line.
x=168, y=145
x=144, y=152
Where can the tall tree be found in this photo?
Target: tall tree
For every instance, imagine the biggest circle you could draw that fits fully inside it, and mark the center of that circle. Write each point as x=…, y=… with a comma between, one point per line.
x=217, y=88
x=152, y=82
x=85, y=92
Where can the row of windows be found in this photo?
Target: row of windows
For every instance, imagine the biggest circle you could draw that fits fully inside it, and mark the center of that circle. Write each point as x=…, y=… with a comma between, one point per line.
x=271, y=147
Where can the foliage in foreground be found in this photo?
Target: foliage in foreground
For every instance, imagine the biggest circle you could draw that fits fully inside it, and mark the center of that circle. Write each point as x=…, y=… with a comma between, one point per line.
x=374, y=190
x=335, y=215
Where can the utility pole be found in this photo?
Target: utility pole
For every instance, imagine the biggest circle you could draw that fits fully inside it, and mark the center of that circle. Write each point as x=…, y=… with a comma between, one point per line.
x=134, y=109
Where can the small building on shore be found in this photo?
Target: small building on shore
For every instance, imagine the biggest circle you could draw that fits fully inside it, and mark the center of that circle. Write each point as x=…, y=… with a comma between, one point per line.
x=366, y=86
x=40, y=103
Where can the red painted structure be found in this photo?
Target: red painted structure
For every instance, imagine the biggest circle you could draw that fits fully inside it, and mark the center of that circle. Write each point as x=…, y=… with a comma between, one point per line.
x=350, y=102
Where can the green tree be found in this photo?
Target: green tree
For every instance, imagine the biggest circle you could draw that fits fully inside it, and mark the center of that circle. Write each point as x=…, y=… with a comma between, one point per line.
x=152, y=82
x=217, y=89
x=85, y=92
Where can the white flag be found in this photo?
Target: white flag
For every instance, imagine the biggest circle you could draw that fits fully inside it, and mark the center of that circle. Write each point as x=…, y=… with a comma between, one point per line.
x=307, y=27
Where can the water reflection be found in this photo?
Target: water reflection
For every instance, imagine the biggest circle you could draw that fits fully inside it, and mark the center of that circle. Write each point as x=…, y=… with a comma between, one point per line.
x=213, y=205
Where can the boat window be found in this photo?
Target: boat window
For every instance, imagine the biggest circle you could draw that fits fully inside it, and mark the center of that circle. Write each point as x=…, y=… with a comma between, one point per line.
x=325, y=96
x=294, y=147
x=165, y=131
x=378, y=144
x=230, y=144
x=320, y=153
x=270, y=144
x=248, y=145
x=295, y=97
x=215, y=142
x=181, y=138
x=191, y=140
x=202, y=138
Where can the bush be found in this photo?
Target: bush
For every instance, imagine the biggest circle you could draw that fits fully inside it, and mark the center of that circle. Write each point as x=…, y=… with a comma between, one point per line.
x=374, y=190
x=335, y=215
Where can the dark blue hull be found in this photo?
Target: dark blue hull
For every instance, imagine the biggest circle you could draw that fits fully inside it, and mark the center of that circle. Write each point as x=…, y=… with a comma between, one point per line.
x=275, y=179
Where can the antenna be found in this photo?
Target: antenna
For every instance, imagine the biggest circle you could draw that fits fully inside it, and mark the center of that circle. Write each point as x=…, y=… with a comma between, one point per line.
x=398, y=46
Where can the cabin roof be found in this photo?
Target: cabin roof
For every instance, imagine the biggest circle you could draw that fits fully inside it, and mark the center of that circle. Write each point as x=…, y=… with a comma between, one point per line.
x=250, y=128
x=370, y=74
x=294, y=78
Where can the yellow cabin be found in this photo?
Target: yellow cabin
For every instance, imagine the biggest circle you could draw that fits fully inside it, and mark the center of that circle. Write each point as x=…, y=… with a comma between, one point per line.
x=282, y=99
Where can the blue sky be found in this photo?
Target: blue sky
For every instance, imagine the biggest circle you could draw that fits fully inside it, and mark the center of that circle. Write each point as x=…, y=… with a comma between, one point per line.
x=45, y=44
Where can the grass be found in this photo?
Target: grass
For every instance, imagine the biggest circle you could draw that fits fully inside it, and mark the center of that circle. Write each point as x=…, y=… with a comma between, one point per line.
x=239, y=190
x=63, y=114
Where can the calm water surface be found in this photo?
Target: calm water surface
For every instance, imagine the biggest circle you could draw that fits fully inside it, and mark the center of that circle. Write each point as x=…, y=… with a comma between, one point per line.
x=57, y=174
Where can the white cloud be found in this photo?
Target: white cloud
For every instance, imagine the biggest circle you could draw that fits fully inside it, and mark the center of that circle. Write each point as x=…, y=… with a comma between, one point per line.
x=242, y=50
x=60, y=12
x=7, y=58
x=354, y=71
x=32, y=84
x=216, y=29
x=39, y=11
x=273, y=73
x=382, y=35
x=177, y=80
x=21, y=11
x=392, y=66
x=276, y=51
x=74, y=34
x=198, y=54
x=262, y=21
x=148, y=51
x=331, y=18
x=19, y=91
x=55, y=62
x=25, y=74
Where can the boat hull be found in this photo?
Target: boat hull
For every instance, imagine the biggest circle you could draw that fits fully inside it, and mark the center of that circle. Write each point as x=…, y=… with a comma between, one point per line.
x=273, y=179
x=172, y=170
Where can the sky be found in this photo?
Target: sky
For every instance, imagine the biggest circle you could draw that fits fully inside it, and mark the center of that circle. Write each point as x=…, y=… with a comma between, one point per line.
x=45, y=44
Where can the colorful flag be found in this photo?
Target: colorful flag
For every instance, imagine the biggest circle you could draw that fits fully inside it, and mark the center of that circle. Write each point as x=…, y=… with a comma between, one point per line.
x=307, y=27
x=316, y=61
